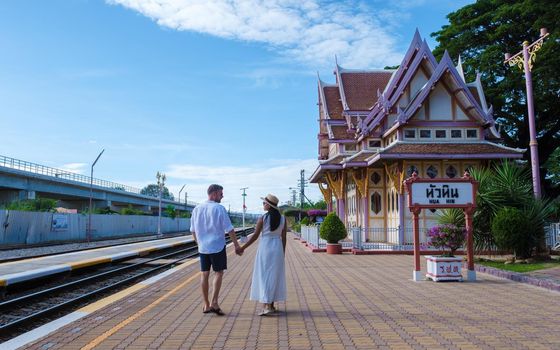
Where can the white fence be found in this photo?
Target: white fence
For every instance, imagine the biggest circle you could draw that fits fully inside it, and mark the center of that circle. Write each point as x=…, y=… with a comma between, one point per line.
x=19, y=227
x=552, y=233
x=310, y=234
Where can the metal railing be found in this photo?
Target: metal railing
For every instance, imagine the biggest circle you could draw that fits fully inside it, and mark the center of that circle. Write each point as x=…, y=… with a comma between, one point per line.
x=310, y=234
x=29, y=167
x=386, y=239
x=552, y=234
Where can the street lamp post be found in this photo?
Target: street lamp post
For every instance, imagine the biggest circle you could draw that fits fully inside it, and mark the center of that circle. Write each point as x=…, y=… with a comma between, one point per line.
x=186, y=203
x=524, y=60
x=88, y=235
x=160, y=183
x=179, y=197
x=244, y=206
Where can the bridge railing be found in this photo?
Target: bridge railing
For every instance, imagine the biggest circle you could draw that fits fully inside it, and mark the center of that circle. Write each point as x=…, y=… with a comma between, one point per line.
x=34, y=168
x=22, y=165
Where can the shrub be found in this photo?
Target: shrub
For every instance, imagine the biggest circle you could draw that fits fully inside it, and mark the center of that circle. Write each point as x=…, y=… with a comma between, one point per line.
x=131, y=211
x=511, y=230
x=170, y=211
x=332, y=229
x=185, y=214
x=447, y=237
x=39, y=204
x=305, y=221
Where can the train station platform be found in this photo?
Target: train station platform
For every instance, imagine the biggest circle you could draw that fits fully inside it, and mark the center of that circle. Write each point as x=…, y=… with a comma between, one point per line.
x=35, y=268
x=334, y=302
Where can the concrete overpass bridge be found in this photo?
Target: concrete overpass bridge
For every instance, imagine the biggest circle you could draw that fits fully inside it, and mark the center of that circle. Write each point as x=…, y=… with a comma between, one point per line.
x=21, y=180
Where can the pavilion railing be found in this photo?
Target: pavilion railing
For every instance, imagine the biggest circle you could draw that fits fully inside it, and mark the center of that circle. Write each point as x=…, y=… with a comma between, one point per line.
x=552, y=234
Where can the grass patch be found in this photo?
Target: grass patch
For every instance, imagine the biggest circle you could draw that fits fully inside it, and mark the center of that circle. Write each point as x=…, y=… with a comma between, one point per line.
x=539, y=265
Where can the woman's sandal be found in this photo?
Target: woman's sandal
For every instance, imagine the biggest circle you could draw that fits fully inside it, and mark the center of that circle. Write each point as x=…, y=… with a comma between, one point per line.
x=207, y=311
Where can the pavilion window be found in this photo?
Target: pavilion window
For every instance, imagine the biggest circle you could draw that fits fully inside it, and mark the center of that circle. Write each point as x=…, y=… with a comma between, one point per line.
x=472, y=133
x=432, y=172
x=375, y=178
x=456, y=134
x=411, y=169
x=441, y=134
x=451, y=172
x=425, y=134
x=374, y=143
x=376, y=202
x=410, y=134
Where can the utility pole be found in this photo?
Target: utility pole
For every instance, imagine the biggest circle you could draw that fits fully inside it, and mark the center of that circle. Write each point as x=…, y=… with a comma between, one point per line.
x=160, y=183
x=293, y=194
x=244, y=207
x=302, y=185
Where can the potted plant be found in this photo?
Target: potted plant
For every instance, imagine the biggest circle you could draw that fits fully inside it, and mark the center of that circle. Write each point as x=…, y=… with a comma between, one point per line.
x=333, y=230
x=445, y=267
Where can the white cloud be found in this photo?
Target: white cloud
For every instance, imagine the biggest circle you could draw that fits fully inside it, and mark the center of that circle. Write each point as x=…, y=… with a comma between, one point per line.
x=309, y=31
x=274, y=176
x=78, y=168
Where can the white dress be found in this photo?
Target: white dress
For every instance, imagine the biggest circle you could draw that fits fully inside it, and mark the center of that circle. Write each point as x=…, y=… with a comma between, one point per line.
x=269, y=273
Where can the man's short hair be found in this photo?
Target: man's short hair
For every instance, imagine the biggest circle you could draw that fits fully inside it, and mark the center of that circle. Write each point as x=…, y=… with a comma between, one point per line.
x=213, y=188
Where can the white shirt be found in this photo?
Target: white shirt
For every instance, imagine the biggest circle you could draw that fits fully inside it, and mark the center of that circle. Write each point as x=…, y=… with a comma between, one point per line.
x=210, y=222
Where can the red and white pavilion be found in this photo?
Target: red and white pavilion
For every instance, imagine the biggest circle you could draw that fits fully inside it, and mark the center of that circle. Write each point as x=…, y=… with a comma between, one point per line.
x=376, y=127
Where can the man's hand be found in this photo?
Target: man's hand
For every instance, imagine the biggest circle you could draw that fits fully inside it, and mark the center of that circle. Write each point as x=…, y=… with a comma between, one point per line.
x=239, y=250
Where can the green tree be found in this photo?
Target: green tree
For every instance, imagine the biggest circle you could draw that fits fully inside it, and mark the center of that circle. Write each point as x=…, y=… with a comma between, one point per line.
x=481, y=33
x=152, y=190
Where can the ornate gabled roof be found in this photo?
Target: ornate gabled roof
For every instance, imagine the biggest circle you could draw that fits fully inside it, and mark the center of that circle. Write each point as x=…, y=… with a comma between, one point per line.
x=418, y=54
x=460, y=90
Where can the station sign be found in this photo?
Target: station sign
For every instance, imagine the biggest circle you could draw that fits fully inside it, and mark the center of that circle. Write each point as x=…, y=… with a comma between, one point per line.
x=444, y=194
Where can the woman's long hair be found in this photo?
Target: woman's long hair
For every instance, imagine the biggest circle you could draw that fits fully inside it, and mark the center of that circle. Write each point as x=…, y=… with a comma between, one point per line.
x=274, y=216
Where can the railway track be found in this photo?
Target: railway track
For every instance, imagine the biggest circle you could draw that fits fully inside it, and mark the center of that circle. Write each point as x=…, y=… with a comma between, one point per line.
x=27, y=310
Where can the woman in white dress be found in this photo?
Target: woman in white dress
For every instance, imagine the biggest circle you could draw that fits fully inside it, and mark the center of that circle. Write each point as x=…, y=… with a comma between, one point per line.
x=269, y=275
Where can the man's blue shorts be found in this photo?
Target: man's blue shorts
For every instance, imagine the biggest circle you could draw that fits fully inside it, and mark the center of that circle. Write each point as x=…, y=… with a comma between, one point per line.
x=218, y=261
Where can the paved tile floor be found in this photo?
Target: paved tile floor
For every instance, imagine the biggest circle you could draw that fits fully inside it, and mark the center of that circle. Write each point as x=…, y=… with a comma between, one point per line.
x=334, y=302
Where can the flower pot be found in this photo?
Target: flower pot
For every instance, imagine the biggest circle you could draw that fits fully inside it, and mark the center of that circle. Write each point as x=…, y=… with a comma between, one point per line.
x=444, y=268
x=334, y=248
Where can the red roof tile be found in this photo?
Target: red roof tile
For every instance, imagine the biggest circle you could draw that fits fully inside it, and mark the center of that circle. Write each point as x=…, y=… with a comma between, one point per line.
x=334, y=105
x=341, y=132
x=360, y=89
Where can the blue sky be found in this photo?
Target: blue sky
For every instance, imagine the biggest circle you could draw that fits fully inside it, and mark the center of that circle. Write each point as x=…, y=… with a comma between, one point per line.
x=205, y=91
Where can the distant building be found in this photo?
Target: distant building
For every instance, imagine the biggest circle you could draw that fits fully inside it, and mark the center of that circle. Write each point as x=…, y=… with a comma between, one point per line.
x=376, y=127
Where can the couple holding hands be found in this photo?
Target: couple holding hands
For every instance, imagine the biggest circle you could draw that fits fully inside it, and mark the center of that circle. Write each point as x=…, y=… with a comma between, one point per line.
x=209, y=222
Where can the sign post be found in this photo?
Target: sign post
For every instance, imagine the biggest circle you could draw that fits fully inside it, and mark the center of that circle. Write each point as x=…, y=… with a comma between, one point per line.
x=442, y=194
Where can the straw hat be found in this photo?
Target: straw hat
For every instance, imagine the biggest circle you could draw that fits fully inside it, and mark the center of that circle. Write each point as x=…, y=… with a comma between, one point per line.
x=271, y=200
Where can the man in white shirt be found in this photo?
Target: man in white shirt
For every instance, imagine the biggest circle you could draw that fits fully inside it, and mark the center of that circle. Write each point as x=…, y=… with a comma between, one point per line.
x=209, y=224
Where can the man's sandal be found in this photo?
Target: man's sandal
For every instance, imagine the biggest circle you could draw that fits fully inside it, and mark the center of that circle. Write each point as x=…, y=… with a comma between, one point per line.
x=217, y=311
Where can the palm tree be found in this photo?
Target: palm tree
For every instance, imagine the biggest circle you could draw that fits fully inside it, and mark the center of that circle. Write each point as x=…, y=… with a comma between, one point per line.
x=505, y=184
